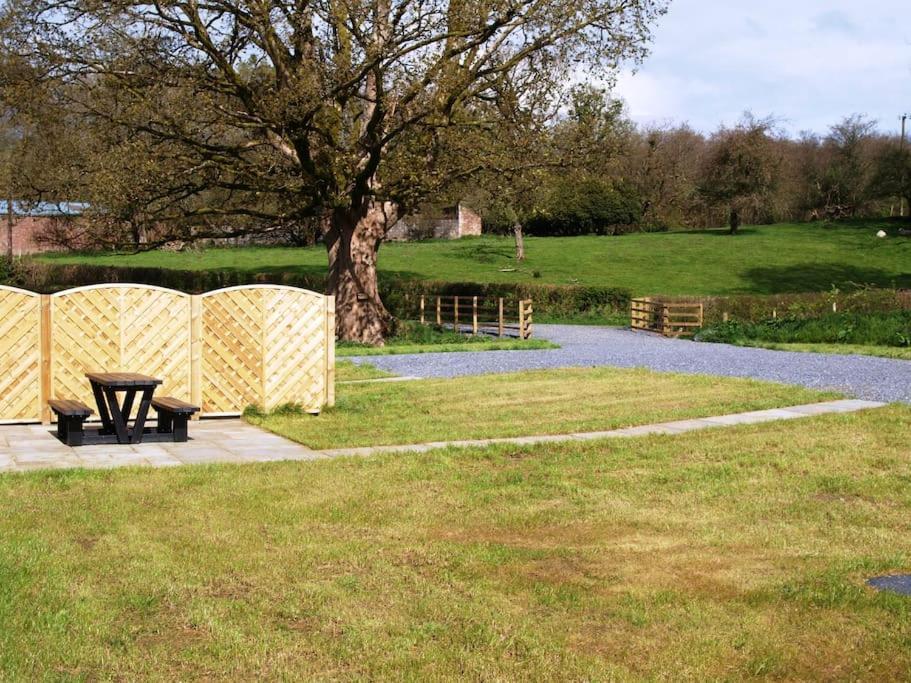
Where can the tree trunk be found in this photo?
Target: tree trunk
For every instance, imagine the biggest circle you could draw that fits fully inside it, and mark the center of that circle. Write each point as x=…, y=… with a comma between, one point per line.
x=353, y=240
x=520, y=241
x=735, y=220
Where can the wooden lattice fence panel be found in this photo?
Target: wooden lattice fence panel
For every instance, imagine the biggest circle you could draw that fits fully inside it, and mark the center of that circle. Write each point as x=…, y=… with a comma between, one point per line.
x=20, y=355
x=155, y=328
x=265, y=346
x=258, y=345
x=119, y=328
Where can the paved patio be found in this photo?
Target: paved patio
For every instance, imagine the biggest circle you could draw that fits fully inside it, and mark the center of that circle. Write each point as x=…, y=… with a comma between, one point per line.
x=34, y=447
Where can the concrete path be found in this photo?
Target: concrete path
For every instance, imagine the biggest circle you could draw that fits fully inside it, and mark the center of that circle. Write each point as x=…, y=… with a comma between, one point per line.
x=33, y=447
x=865, y=377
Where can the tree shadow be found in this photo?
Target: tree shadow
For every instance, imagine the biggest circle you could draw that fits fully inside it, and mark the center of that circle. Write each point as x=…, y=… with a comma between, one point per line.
x=480, y=251
x=816, y=277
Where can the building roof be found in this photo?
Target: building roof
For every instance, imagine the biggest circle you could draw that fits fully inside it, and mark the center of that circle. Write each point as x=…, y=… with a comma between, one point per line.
x=48, y=209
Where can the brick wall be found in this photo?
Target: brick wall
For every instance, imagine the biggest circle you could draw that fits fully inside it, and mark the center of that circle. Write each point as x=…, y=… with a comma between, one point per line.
x=25, y=234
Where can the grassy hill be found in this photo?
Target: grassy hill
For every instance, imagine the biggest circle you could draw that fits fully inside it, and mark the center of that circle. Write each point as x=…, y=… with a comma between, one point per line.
x=762, y=260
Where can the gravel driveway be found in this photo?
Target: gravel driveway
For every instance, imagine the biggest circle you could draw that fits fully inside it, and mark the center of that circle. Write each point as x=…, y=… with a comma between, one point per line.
x=865, y=377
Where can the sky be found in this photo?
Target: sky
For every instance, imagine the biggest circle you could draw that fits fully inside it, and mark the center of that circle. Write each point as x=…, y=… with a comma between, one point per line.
x=807, y=62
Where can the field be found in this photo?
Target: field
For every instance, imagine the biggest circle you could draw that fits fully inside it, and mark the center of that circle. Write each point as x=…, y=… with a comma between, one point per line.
x=521, y=404
x=729, y=554
x=761, y=260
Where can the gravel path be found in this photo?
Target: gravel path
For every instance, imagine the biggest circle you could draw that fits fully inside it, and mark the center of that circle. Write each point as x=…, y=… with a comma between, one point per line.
x=865, y=377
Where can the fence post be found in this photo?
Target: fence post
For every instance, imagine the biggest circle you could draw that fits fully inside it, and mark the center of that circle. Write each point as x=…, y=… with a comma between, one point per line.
x=474, y=315
x=521, y=319
x=330, y=348
x=701, y=313
x=500, y=318
x=422, y=309
x=45, y=354
x=724, y=317
x=196, y=352
x=455, y=314
x=439, y=313
x=665, y=320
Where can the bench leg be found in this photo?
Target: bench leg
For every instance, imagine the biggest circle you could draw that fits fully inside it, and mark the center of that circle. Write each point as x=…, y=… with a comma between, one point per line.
x=180, y=428
x=165, y=422
x=74, y=435
x=61, y=427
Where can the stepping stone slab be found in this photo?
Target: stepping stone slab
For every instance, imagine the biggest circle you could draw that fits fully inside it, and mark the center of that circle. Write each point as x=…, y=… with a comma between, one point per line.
x=900, y=584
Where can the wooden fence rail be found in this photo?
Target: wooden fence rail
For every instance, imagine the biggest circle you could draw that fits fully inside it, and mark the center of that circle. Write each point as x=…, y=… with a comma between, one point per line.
x=259, y=345
x=492, y=315
x=670, y=318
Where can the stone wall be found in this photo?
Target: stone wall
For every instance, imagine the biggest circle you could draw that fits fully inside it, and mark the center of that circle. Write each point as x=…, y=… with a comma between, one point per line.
x=450, y=223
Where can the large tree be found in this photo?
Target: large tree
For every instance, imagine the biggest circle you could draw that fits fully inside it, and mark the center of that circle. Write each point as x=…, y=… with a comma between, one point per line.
x=337, y=112
x=741, y=169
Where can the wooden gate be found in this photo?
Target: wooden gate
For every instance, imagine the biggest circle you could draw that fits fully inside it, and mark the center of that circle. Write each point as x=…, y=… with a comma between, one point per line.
x=21, y=399
x=258, y=345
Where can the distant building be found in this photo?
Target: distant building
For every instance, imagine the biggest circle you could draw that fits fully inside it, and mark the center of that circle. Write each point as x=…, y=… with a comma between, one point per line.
x=450, y=223
x=32, y=220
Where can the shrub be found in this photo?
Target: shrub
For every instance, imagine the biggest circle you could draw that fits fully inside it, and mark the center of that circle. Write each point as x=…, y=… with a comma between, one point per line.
x=877, y=329
x=587, y=207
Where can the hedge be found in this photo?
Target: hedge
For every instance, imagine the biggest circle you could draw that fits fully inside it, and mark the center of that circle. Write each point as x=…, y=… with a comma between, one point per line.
x=400, y=295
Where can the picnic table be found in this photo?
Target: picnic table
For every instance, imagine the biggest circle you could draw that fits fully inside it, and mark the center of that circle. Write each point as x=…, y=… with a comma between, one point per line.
x=114, y=414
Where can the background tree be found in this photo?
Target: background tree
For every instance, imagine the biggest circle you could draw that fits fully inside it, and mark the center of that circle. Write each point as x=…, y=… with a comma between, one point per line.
x=741, y=168
x=329, y=110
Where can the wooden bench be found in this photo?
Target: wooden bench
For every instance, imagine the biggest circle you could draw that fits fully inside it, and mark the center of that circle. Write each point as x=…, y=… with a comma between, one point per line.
x=70, y=416
x=173, y=415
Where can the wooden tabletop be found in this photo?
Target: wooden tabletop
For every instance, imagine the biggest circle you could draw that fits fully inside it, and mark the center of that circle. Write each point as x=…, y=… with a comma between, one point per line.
x=122, y=379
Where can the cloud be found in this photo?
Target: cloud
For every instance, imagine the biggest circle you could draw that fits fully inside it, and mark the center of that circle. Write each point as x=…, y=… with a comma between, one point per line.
x=836, y=21
x=809, y=62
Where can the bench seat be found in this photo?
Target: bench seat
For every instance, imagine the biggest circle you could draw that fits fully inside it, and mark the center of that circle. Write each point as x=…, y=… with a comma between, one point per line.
x=173, y=415
x=70, y=416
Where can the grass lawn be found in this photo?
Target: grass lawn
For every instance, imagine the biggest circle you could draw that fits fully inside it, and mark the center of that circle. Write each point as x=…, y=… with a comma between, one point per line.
x=412, y=337
x=899, y=352
x=467, y=344
x=763, y=260
x=346, y=371
x=728, y=554
x=521, y=404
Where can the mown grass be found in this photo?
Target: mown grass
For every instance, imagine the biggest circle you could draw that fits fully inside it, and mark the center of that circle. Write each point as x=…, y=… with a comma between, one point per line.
x=897, y=352
x=723, y=555
x=346, y=371
x=412, y=337
x=522, y=404
x=762, y=260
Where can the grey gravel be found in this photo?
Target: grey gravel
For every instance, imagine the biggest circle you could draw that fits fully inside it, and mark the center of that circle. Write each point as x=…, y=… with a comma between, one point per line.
x=865, y=377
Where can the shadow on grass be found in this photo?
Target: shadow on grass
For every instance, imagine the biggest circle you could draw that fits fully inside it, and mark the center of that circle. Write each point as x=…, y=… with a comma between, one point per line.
x=817, y=277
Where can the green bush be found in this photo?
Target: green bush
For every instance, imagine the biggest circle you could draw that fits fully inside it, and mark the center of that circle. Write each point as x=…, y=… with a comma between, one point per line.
x=587, y=207
x=871, y=329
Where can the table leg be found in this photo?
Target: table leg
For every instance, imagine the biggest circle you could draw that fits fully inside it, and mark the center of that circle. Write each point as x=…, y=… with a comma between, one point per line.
x=127, y=405
x=120, y=426
x=144, y=403
x=107, y=426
